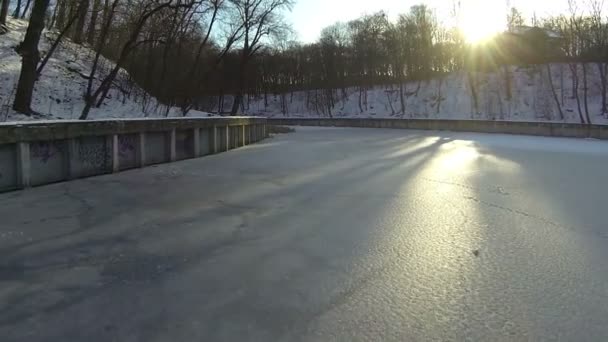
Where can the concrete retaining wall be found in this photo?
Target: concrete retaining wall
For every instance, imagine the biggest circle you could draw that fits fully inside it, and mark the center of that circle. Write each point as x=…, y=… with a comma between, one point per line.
x=38, y=153
x=506, y=127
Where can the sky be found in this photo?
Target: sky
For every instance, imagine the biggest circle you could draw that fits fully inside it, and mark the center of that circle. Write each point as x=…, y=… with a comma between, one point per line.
x=309, y=17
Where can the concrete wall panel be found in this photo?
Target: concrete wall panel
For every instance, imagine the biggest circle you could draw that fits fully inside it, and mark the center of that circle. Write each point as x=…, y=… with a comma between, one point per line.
x=157, y=148
x=221, y=139
x=128, y=151
x=49, y=162
x=90, y=157
x=8, y=167
x=247, y=135
x=205, y=141
x=184, y=144
x=603, y=133
x=236, y=134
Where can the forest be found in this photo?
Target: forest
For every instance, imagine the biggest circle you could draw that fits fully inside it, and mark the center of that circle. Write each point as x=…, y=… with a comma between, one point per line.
x=188, y=53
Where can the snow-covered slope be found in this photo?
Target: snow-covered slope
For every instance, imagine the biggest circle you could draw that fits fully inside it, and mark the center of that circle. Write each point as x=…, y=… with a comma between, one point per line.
x=451, y=98
x=59, y=91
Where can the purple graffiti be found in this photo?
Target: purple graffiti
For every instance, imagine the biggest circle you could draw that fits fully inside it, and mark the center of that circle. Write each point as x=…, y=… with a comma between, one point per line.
x=44, y=150
x=126, y=145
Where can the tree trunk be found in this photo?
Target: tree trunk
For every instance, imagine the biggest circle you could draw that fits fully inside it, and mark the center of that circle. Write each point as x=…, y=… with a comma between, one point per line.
x=439, y=94
x=169, y=43
x=149, y=79
x=561, y=82
x=17, y=11
x=390, y=102
x=238, y=98
x=574, y=71
x=265, y=97
x=30, y=58
x=236, y=104
x=106, y=10
x=585, y=93
x=473, y=92
x=53, y=18
x=4, y=12
x=27, y=7
x=604, y=84
x=93, y=23
x=361, y=99
x=317, y=102
x=559, y=107
x=507, y=75
x=83, y=8
x=54, y=46
x=89, y=96
x=220, y=104
x=418, y=87
x=62, y=13
x=401, y=97
x=329, y=101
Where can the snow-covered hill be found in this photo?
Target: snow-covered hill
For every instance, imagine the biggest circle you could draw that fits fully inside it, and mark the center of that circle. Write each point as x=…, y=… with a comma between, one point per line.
x=451, y=98
x=59, y=91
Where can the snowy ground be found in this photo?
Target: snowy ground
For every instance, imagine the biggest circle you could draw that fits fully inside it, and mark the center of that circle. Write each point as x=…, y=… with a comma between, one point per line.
x=450, y=98
x=59, y=91
x=325, y=234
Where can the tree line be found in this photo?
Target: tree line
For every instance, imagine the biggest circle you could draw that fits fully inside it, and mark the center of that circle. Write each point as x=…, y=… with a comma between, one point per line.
x=177, y=50
x=188, y=53
x=373, y=50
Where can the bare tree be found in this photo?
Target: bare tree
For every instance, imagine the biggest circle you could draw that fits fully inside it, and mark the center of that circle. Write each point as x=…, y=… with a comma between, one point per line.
x=3, y=14
x=572, y=51
x=62, y=14
x=95, y=98
x=30, y=55
x=93, y=22
x=212, y=9
x=234, y=33
x=553, y=92
x=259, y=19
x=17, y=11
x=56, y=43
x=577, y=26
x=25, y=10
x=600, y=48
x=89, y=100
x=514, y=19
x=83, y=8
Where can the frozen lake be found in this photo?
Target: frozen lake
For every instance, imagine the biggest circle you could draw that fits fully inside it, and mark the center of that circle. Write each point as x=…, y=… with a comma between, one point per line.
x=326, y=234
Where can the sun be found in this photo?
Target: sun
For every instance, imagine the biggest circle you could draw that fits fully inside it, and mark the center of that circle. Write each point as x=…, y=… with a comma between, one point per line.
x=480, y=20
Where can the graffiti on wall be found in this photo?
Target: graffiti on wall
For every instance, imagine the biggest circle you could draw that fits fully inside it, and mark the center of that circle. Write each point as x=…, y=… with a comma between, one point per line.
x=93, y=153
x=45, y=150
x=127, y=145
